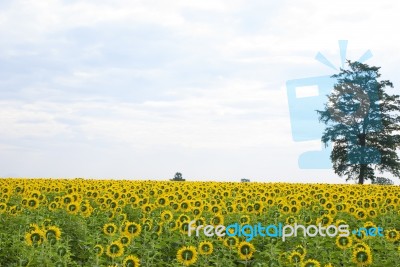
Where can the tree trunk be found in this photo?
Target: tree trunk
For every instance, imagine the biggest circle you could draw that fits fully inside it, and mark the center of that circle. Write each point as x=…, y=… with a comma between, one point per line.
x=363, y=167
x=362, y=173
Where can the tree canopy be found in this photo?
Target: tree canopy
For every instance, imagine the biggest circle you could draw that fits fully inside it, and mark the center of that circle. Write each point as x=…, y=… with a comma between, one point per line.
x=362, y=123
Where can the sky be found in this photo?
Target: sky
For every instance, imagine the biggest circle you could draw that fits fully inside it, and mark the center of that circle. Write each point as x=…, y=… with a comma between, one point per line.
x=145, y=89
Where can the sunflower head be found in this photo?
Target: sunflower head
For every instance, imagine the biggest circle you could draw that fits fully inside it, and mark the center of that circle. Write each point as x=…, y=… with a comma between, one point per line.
x=33, y=203
x=310, y=263
x=392, y=235
x=362, y=257
x=98, y=249
x=53, y=206
x=361, y=214
x=110, y=229
x=125, y=239
x=196, y=211
x=3, y=207
x=115, y=249
x=166, y=215
x=132, y=229
x=200, y=221
x=343, y=242
x=245, y=219
x=325, y=219
x=53, y=233
x=205, y=248
x=361, y=246
x=245, y=250
x=295, y=257
x=217, y=219
x=187, y=255
x=290, y=220
x=231, y=242
x=73, y=207
x=162, y=201
x=35, y=237
x=33, y=226
x=183, y=218
x=131, y=261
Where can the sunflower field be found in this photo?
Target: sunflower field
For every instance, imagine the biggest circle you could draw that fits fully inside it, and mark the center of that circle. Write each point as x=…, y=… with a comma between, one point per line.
x=80, y=222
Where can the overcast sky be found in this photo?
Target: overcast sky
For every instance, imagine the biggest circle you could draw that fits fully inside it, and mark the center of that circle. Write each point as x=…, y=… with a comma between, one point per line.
x=143, y=89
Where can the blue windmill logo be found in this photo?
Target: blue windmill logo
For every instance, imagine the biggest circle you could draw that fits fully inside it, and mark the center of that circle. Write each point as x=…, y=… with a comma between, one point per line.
x=307, y=95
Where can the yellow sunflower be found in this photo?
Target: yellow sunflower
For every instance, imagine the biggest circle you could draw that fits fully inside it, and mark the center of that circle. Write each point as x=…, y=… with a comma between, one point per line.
x=184, y=227
x=187, y=255
x=33, y=226
x=231, y=241
x=110, y=229
x=245, y=250
x=166, y=216
x=73, y=208
x=245, y=219
x=3, y=207
x=206, y=248
x=33, y=203
x=98, y=249
x=361, y=246
x=131, y=261
x=200, y=221
x=184, y=206
x=325, y=220
x=183, y=218
x=115, y=249
x=291, y=220
x=172, y=225
x=35, y=237
x=295, y=257
x=343, y=242
x=361, y=214
x=53, y=206
x=53, y=232
x=162, y=201
x=310, y=263
x=372, y=213
x=362, y=257
x=392, y=235
x=132, y=229
x=196, y=211
x=147, y=208
x=217, y=219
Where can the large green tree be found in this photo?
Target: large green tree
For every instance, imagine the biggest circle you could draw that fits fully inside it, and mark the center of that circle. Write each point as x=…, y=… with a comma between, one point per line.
x=362, y=122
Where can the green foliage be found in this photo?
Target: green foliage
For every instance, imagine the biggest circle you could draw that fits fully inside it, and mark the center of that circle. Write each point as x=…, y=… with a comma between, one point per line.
x=178, y=177
x=158, y=243
x=382, y=181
